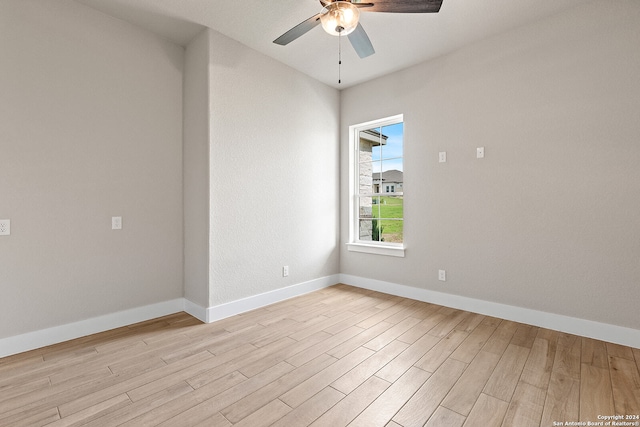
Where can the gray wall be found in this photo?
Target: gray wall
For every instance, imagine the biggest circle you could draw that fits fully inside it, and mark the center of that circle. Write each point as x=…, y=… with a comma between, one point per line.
x=548, y=220
x=197, y=133
x=274, y=174
x=90, y=128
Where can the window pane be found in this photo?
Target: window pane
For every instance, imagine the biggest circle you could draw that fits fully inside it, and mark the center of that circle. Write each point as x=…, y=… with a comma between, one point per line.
x=369, y=207
x=390, y=207
x=392, y=176
x=376, y=151
x=390, y=230
x=365, y=178
x=392, y=137
x=368, y=214
x=370, y=145
x=365, y=230
x=381, y=218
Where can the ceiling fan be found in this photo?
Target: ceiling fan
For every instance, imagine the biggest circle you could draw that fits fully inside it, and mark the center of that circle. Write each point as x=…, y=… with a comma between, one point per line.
x=340, y=18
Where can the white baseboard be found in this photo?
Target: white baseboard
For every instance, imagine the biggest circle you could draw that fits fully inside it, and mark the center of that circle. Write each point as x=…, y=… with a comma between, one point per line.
x=195, y=310
x=232, y=308
x=586, y=328
x=57, y=334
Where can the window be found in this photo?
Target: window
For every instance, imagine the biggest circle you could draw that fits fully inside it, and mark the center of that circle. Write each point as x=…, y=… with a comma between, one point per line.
x=377, y=181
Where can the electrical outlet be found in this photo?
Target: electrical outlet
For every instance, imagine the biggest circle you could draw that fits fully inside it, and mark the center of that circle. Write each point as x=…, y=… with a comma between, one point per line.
x=442, y=275
x=5, y=227
x=442, y=157
x=285, y=271
x=116, y=223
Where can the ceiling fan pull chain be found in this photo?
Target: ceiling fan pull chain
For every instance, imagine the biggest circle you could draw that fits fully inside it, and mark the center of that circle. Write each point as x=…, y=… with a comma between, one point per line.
x=339, y=58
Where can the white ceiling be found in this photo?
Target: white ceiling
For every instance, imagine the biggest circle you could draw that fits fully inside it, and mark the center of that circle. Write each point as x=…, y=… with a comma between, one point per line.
x=400, y=40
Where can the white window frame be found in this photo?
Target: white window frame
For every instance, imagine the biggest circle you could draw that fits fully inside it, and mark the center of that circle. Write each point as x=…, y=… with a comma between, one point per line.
x=354, y=244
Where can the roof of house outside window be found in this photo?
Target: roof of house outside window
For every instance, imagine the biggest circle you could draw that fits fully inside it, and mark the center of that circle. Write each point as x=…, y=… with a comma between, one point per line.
x=389, y=176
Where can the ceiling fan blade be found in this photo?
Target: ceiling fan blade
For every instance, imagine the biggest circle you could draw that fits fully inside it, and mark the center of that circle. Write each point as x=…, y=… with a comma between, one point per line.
x=299, y=30
x=360, y=42
x=402, y=6
x=326, y=3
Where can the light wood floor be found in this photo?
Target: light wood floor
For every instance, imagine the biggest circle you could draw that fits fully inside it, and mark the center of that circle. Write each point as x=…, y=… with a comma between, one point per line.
x=336, y=357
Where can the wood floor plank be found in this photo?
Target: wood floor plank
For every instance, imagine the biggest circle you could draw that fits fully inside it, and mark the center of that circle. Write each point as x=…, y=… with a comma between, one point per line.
x=275, y=356
x=537, y=369
x=391, y=334
x=449, y=323
x=319, y=326
x=563, y=399
x=217, y=420
x=432, y=359
x=487, y=412
x=335, y=357
x=383, y=315
x=93, y=412
x=351, y=321
x=35, y=419
x=503, y=380
x=135, y=409
x=636, y=355
x=311, y=409
x=196, y=375
x=596, y=396
x=359, y=374
x=594, y=353
x=179, y=404
x=357, y=340
x=252, y=402
x=353, y=404
x=466, y=391
x=472, y=344
x=266, y=415
x=415, y=333
x=234, y=362
x=625, y=381
x=421, y=406
x=471, y=322
x=302, y=392
x=524, y=335
x=526, y=406
x=10, y=391
x=405, y=360
x=445, y=417
x=191, y=414
x=388, y=403
x=501, y=337
x=410, y=307
x=620, y=351
x=492, y=321
x=326, y=346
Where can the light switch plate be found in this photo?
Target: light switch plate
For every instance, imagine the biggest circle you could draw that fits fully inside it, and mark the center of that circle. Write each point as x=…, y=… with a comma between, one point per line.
x=442, y=156
x=480, y=152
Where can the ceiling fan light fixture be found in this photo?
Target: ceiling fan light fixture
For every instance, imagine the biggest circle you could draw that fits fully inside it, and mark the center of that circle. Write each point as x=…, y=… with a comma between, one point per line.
x=339, y=18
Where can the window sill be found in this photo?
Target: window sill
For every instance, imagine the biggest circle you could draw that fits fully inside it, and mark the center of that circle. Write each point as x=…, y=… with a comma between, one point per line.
x=397, y=251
